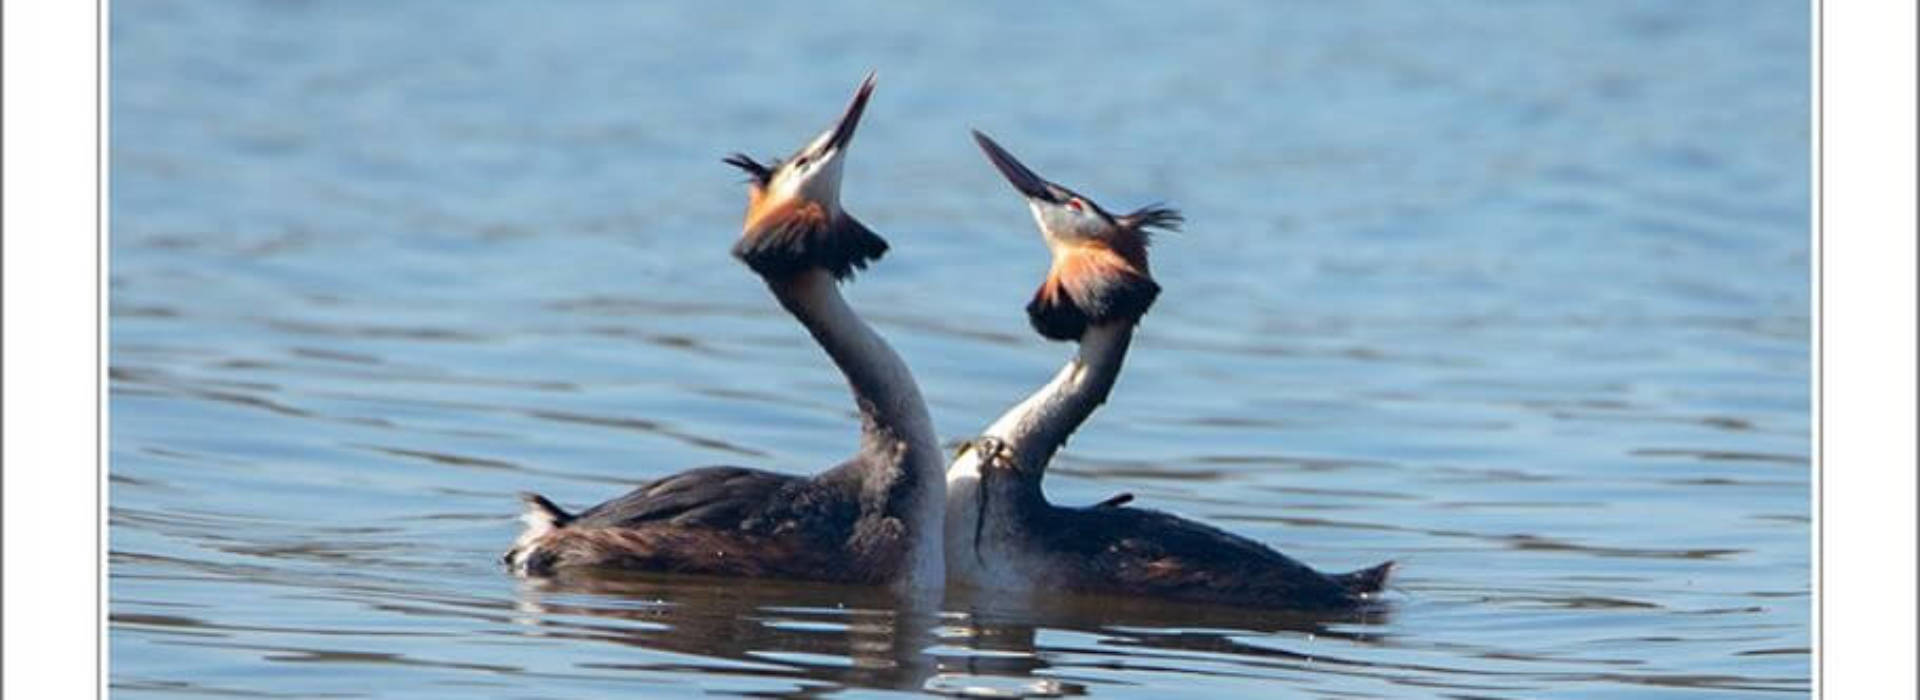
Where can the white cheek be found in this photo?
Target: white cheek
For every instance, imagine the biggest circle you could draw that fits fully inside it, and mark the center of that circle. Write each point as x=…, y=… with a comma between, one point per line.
x=1062, y=227
x=783, y=185
x=823, y=180
x=1039, y=216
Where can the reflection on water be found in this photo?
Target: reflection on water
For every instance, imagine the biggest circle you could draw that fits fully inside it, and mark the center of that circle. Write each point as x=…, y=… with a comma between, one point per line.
x=855, y=636
x=1513, y=294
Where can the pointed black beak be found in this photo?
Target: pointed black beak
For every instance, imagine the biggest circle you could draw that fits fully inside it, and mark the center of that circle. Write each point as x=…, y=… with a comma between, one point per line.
x=843, y=131
x=1023, y=179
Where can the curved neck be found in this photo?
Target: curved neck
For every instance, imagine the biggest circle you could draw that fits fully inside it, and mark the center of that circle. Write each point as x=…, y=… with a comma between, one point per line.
x=1036, y=428
x=987, y=507
x=891, y=410
x=899, y=457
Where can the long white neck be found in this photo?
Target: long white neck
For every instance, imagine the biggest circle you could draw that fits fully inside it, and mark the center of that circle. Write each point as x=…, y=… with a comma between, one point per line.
x=897, y=441
x=1032, y=431
x=1036, y=428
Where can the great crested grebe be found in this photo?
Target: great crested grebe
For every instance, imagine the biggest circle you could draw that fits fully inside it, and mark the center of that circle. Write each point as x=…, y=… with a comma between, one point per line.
x=1002, y=533
x=875, y=518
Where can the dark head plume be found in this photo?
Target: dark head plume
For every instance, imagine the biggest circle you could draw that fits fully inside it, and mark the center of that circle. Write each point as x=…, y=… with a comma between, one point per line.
x=1099, y=273
x=794, y=220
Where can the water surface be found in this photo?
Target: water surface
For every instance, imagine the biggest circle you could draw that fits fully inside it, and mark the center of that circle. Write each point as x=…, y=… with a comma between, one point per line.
x=1514, y=293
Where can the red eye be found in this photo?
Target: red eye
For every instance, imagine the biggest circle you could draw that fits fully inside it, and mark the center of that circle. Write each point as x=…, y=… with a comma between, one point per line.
x=1074, y=204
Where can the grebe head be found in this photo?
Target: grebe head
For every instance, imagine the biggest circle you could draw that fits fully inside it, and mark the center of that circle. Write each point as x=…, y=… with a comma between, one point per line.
x=1099, y=273
x=794, y=219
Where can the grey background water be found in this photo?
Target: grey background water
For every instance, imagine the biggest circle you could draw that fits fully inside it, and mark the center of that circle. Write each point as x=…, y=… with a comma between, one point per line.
x=1515, y=293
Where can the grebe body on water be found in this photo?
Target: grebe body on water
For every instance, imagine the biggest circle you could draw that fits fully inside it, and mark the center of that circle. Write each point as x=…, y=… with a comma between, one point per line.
x=875, y=518
x=1003, y=533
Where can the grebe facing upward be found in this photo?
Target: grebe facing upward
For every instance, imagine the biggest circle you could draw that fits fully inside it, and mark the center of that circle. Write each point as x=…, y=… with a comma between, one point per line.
x=875, y=518
x=1002, y=533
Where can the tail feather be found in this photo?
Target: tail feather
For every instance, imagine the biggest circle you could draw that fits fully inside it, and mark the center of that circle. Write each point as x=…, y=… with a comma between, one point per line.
x=541, y=517
x=1366, y=581
x=542, y=513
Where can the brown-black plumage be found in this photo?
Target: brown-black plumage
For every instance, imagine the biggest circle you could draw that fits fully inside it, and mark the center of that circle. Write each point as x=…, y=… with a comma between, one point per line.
x=1117, y=549
x=738, y=522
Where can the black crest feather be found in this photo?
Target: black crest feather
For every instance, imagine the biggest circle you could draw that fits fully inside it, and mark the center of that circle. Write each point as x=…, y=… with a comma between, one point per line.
x=761, y=174
x=1153, y=216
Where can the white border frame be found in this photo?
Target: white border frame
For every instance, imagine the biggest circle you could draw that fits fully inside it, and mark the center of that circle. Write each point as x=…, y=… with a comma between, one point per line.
x=52, y=442
x=1865, y=413
x=1864, y=318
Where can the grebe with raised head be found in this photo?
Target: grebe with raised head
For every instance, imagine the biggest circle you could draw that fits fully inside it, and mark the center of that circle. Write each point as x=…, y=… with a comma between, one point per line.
x=874, y=519
x=1002, y=533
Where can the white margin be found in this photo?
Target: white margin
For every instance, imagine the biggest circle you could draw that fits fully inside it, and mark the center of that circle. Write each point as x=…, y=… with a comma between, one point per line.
x=51, y=389
x=1815, y=253
x=103, y=73
x=1867, y=420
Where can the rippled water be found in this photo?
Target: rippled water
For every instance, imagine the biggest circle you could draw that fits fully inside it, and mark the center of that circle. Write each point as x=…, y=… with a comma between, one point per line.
x=1515, y=293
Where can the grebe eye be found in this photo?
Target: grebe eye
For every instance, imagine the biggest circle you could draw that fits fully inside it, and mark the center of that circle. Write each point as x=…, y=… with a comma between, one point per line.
x=1074, y=204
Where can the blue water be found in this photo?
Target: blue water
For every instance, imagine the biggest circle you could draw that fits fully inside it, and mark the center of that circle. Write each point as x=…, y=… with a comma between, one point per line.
x=1514, y=293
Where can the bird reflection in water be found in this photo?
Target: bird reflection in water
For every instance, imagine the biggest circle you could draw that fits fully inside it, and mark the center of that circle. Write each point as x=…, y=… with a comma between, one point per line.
x=825, y=633
x=969, y=643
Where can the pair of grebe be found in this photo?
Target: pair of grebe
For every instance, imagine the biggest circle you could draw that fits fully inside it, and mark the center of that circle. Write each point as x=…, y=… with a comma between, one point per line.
x=896, y=513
